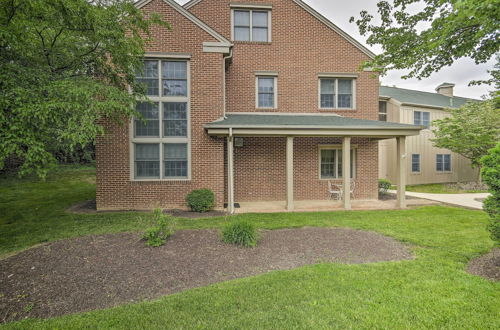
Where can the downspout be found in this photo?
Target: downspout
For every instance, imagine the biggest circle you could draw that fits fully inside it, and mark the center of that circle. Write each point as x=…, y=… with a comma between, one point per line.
x=226, y=58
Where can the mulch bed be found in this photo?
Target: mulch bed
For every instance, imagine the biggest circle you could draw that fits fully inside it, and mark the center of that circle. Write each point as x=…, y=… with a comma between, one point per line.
x=194, y=215
x=96, y=272
x=89, y=206
x=487, y=266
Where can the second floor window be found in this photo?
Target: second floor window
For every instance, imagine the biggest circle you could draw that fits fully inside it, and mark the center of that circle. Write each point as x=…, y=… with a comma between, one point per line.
x=443, y=163
x=422, y=118
x=266, y=92
x=382, y=110
x=336, y=93
x=251, y=25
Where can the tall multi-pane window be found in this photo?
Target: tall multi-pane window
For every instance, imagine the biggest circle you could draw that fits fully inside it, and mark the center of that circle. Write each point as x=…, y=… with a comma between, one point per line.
x=443, y=162
x=251, y=25
x=331, y=163
x=415, y=163
x=382, y=110
x=336, y=93
x=422, y=118
x=160, y=138
x=266, y=92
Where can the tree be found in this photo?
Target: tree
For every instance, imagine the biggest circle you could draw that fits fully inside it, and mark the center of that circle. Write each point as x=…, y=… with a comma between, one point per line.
x=491, y=175
x=66, y=65
x=424, y=41
x=470, y=131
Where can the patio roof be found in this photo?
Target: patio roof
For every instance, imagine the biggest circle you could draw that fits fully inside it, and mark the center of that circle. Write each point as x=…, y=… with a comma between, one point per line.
x=306, y=125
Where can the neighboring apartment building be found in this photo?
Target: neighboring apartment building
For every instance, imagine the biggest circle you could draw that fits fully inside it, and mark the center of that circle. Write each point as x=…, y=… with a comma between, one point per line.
x=425, y=163
x=259, y=101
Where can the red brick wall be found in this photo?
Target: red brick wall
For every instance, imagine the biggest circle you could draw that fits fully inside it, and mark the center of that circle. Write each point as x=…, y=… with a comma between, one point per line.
x=260, y=169
x=301, y=47
x=115, y=190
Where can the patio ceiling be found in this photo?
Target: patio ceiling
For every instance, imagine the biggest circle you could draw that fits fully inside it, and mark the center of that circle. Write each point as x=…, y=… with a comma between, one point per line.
x=254, y=124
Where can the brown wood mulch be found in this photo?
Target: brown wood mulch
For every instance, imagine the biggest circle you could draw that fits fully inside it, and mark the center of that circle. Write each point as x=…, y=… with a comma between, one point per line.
x=96, y=272
x=487, y=266
x=89, y=206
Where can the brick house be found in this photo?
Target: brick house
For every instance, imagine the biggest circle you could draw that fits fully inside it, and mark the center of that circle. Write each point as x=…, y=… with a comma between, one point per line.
x=257, y=102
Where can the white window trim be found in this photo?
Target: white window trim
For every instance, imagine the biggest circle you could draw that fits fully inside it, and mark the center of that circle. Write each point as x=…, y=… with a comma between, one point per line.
x=422, y=118
x=419, y=164
x=164, y=140
x=321, y=77
x=443, y=172
x=383, y=113
x=337, y=147
x=275, y=79
x=251, y=9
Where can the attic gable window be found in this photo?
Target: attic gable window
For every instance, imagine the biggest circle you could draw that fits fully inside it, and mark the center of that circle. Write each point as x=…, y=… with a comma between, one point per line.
x=251, y=25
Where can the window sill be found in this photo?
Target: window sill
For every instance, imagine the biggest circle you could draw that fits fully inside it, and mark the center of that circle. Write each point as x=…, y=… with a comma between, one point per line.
x=159, y=180
x=251, y=42
x=335, y=109
x=444, y=172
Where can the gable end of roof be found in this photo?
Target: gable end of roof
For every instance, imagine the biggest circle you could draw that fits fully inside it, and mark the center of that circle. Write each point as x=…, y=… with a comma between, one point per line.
x=319, y=17
x=192, y=18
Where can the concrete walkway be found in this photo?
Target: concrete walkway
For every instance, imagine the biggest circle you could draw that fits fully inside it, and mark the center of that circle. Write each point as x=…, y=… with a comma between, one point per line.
x=462, y=200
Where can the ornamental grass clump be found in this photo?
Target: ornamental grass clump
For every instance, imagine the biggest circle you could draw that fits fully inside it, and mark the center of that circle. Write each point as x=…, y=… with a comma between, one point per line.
x=201, y=200
x=164, y=227
x=240, y=233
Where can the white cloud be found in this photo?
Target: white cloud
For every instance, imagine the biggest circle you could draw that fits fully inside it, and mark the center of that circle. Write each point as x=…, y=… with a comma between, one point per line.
x=460, y=73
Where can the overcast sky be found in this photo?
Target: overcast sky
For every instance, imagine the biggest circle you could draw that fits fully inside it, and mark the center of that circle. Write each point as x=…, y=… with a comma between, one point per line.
x=460, y=73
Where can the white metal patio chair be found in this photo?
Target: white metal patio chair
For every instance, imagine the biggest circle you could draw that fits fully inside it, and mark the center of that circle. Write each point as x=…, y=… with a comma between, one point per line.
x=334, y=190
x=338, y=189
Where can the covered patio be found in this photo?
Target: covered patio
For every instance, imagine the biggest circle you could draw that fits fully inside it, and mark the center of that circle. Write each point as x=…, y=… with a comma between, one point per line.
x=292, y=126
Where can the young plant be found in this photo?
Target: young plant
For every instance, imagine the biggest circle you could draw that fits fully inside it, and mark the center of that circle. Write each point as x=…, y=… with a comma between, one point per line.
x=241, y=233
x=164, y=227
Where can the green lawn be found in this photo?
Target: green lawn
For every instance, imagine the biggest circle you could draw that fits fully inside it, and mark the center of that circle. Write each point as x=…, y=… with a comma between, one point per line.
x=432, y=291
x=440, y=188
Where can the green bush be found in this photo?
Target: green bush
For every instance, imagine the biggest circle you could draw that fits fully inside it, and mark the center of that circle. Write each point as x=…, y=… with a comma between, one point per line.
x=490, y=173
x=163, y=228
x=384, y=185
x=241, y=233
x=201, y=200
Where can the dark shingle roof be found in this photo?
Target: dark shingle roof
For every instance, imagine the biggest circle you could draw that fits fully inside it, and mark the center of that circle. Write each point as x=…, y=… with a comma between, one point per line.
x=303, y=121
x=410, y=96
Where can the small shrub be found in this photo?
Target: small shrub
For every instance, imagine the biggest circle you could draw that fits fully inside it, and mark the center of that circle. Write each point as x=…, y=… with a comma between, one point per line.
x=161, y=231
x=490, y=173
x=384, y=185
x=201, y=200
x=240, y=233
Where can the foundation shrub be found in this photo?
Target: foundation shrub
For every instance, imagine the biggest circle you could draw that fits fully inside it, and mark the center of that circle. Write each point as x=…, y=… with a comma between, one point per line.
x=201, y=200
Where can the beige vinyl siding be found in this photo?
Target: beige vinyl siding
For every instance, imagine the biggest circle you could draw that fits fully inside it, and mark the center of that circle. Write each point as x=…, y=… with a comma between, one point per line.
x=461, y=171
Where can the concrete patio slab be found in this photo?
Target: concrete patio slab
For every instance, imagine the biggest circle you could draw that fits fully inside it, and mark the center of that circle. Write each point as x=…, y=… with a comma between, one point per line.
x=471, y=201
x=325, y=205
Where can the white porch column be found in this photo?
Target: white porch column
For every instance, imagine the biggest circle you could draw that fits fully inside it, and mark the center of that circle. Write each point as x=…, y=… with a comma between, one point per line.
x=230, y=174
x=346, y=171
x=289, y=173
x=401, y=170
